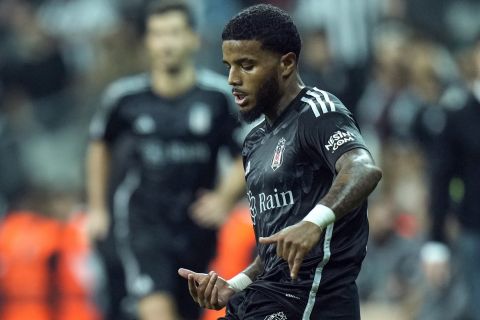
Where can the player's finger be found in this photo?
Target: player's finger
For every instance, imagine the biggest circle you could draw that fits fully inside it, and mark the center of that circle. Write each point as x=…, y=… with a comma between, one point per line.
x=214, y=298
x=202, y=284
x=208, y=289
x=184, y=272
x=287, y=249
x=280, y=248
x=198, y=277
x=192, y=288
x=297, y=262
x=291, y=257
x=268, y=240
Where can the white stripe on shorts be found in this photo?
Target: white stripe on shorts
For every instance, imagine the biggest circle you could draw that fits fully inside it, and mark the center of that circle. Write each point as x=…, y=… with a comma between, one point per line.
x=318, y=272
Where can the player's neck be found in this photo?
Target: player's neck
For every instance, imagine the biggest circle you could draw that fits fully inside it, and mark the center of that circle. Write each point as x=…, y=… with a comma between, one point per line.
x=172, y=84
x=291, y=92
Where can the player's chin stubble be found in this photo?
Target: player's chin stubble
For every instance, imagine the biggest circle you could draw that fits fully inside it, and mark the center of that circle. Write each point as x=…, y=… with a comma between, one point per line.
x=267, y=97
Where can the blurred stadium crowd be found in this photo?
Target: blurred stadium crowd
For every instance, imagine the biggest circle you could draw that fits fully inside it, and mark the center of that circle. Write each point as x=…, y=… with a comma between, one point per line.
x=402, y=67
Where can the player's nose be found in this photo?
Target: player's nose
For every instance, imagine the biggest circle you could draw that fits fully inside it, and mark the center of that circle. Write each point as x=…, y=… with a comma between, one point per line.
x=234, y=78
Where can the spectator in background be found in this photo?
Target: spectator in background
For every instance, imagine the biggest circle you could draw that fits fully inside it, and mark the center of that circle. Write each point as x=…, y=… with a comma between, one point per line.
x=431, y=71
x=33, y=70
x=390, y=272
x=319, y=66
x=37, y=115
x=456, y=153
x=386, y=83
x=155, y=144
x=349, y=27
x=79, y=24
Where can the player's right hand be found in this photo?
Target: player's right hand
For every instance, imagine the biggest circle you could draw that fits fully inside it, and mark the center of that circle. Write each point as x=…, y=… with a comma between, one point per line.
x=98, y=224
x=208, y=290
x=294, y=243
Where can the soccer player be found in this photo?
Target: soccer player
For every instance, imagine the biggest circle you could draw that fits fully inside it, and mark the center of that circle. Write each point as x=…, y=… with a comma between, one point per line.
x=153, y=155
x=308, y=175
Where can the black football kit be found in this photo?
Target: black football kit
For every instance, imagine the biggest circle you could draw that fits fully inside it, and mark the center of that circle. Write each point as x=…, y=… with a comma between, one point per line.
x=289, y=167
x=164, y=151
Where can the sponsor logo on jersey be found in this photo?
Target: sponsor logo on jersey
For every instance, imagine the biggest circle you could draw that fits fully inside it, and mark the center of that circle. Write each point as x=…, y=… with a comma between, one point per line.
x=265, y=202
x=200, y=119
x=278, y=154
x=158, y=153
x=337, y=139
x=277, y=316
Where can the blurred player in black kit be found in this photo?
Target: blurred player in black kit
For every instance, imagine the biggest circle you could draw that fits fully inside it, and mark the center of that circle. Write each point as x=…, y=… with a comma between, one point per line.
x=308, y=176
x=152, y=158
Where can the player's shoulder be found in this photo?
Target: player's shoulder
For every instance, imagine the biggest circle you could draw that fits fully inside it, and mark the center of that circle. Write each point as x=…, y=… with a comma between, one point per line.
x=320, y=104
x=210, y=80
x=126, y=86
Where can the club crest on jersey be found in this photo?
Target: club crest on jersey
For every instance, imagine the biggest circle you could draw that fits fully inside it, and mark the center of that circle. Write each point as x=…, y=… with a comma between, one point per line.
x=278, y=154
x=144, y=124
x=200, y=118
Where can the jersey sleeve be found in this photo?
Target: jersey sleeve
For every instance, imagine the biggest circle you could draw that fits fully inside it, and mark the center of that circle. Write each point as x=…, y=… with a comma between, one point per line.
x=106, y=122
x=327, y=136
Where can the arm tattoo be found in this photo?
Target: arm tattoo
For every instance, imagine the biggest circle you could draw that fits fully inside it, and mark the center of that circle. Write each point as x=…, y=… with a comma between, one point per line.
x=254, y=269
x=356, y=179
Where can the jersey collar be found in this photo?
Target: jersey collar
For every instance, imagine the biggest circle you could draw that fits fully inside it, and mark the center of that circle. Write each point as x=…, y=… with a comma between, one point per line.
x=293, y=106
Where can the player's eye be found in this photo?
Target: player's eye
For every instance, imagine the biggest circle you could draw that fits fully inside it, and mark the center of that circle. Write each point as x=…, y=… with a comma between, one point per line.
x=247, y=67
x=227, y=66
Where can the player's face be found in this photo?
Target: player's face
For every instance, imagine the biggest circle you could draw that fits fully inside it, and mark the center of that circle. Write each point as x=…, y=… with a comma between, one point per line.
x=254, y=74
x=170, y=41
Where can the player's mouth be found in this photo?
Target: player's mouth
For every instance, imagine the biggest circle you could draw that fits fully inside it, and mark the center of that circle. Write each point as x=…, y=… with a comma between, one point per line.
x=240, y=97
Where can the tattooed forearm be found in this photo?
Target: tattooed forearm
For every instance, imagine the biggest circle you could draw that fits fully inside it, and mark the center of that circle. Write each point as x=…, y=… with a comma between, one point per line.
x=356, y=179
x=254, y=269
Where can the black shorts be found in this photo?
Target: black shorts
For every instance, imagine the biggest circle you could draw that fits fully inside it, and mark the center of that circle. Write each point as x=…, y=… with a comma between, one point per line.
x=152, y=253
x=341, y=304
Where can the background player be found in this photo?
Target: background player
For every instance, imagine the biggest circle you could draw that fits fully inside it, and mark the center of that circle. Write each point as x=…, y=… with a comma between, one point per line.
x=308, y=175
x=154, y=147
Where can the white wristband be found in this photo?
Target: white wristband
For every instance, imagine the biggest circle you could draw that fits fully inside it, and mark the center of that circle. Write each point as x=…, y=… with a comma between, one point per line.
x=239, y=282
x=320, y=215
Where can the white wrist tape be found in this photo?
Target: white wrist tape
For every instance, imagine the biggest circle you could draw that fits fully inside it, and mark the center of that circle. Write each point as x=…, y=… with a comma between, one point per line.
x=239, y=282
x=320, y=215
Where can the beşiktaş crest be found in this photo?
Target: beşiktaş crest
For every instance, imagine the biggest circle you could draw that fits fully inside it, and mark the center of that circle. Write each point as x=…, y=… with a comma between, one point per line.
x=278, y=154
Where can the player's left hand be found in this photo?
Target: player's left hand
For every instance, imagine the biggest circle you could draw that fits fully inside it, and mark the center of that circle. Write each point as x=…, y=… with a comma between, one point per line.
x=208, y=290
x=210, y=210
x=294, y=242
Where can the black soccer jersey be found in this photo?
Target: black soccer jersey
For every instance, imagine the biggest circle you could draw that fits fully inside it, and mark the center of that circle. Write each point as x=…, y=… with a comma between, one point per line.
x=289, y=167
x=171, y=145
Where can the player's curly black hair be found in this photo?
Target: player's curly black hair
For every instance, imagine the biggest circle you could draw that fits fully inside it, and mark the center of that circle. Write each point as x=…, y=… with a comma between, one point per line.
x=268, y=24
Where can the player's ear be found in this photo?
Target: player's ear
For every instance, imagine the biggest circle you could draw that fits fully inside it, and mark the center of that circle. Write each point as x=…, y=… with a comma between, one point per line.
x=288, y=63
